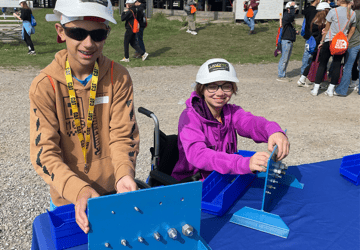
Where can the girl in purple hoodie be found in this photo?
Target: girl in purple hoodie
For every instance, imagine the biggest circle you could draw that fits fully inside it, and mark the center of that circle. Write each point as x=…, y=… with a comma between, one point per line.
x=208, y=128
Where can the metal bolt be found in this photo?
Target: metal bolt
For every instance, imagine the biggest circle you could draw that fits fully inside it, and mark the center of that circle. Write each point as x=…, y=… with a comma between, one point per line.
x=113, y=212
x=278, y=176
x=271, y=187
x=157, y=236
x=273, y=181
x=283, y=166
x=107, y=244
x=136, y=209
x=172, y=233
x=188, y=230
x=140, y=239
x=283, y=172
x=268, y=192
x=123, y=242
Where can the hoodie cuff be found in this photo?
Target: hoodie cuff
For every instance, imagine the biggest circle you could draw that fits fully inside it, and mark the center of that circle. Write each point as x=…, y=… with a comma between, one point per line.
x=72, y=188
x=244, y=166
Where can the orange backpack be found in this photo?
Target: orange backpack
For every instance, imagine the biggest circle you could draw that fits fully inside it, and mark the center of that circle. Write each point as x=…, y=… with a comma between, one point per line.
x=192, y=9
x=136, y=26
x=339, y=44
x=250, y=13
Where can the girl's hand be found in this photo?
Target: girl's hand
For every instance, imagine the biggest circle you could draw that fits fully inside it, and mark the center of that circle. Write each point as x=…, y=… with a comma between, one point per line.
x=258, y=162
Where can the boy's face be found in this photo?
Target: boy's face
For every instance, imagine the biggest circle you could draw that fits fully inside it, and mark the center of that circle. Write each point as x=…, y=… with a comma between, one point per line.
x=84, y=52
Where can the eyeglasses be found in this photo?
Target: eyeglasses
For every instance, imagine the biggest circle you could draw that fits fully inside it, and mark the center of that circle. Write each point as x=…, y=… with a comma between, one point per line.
x=226, y=87
x=80, y=34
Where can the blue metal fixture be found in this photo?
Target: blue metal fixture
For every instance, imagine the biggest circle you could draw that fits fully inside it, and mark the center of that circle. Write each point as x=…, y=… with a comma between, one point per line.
x=166, y=217
x=275, y=178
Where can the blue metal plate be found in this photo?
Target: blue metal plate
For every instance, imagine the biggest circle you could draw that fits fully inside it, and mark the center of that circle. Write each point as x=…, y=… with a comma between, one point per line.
x=142, y=213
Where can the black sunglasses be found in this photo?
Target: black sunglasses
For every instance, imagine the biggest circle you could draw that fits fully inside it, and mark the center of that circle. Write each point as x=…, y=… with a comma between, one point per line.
x=80, y=34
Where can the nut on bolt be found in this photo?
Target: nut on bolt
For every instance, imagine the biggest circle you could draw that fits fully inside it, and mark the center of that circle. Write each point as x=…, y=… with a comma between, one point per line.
x=172, y=233
x=188, y=230
x=123, y=242
x=157, y=236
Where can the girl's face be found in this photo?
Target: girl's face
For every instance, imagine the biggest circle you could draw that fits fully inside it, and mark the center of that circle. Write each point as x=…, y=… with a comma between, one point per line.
x=217, y=94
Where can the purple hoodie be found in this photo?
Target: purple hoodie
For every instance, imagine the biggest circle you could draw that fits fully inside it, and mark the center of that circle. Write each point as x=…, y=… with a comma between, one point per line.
x=206, y=145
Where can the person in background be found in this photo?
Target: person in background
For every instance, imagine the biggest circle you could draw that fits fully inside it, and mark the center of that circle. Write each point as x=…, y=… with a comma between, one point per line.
x=141, y=15
x=288, y=38
x=353, y=51
x=208, y=128
x=309, y=14
x=27, y=29
x=3, y=10
x=84, y=138
x=190, y=9
x=341, y=16
x=129, y=15
x=316, y=27
x=251, y=4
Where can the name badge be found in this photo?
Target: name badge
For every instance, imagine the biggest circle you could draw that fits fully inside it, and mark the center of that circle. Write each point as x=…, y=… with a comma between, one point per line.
x=101, y=100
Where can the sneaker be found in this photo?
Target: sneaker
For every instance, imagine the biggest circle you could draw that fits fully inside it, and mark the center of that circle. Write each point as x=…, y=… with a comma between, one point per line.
x=329, y=93
x=353, y=84
x=32, y=53
x=188, y=31
x=193, y=33
x=283, y=79
x=144, y=56
x=314, y=92
x=252, y=32
x=300, y=83
x=125, y=60
x=336, y=94
x=356, y=88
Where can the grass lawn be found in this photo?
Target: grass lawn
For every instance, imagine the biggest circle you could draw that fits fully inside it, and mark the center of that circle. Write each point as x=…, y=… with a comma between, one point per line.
x=164, y=41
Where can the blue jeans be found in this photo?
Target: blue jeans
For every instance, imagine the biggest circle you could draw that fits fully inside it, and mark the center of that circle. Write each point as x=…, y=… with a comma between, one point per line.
x=251, y=21
x=139, y=38
x=343, y=87
x=306, y=60
x=286, y=48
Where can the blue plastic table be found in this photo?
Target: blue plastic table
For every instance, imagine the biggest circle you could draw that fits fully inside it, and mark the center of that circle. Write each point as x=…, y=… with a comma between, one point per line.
x=324, y=215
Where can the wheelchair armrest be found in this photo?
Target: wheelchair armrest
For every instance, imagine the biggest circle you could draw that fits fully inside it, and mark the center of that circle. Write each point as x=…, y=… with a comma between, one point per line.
x=141, y=184
x=163, y=178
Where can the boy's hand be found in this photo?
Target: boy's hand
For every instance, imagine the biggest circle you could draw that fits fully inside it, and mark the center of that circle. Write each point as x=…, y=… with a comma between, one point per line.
x=283, y=145
x=258, y=161
x=126, y=184
x=80, y=207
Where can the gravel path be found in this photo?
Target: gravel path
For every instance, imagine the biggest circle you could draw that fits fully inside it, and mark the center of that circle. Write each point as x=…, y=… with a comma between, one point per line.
x=319, y=128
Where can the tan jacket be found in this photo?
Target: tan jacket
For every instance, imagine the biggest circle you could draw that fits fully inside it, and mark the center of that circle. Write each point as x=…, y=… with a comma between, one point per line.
x=55, y=150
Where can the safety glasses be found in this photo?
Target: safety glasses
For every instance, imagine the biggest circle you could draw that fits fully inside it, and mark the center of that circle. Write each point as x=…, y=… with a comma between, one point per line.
x=80, y=34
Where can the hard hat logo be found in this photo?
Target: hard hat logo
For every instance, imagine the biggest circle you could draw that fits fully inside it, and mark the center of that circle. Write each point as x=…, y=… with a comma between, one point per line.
x=102, y=2
x=218, y=66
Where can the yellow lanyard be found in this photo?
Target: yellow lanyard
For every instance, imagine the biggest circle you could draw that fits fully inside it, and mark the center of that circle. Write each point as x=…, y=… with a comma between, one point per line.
x=75, y=110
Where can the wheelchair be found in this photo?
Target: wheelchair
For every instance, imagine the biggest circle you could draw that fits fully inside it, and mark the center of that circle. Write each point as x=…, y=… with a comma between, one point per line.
x=164, y=155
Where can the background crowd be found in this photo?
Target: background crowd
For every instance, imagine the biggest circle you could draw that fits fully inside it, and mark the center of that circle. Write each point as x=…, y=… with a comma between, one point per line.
x=332, y=34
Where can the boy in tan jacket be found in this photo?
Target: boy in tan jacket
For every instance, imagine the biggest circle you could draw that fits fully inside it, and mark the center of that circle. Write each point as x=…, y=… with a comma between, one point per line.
x=84, y=139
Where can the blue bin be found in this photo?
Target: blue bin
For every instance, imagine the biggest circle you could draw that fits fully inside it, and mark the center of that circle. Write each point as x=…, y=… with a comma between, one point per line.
x=65, y=232
x=350, y=168
x=221, y=191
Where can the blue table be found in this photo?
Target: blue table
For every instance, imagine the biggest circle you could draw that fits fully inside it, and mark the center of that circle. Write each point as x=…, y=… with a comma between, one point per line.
x=324, y=215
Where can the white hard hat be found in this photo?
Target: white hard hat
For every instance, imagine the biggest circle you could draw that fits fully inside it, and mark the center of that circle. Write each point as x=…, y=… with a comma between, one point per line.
x=20, y=1
x=323, y=6
x=288, y=5
x=130, y=1
x=77, y=9
x=216, y=69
